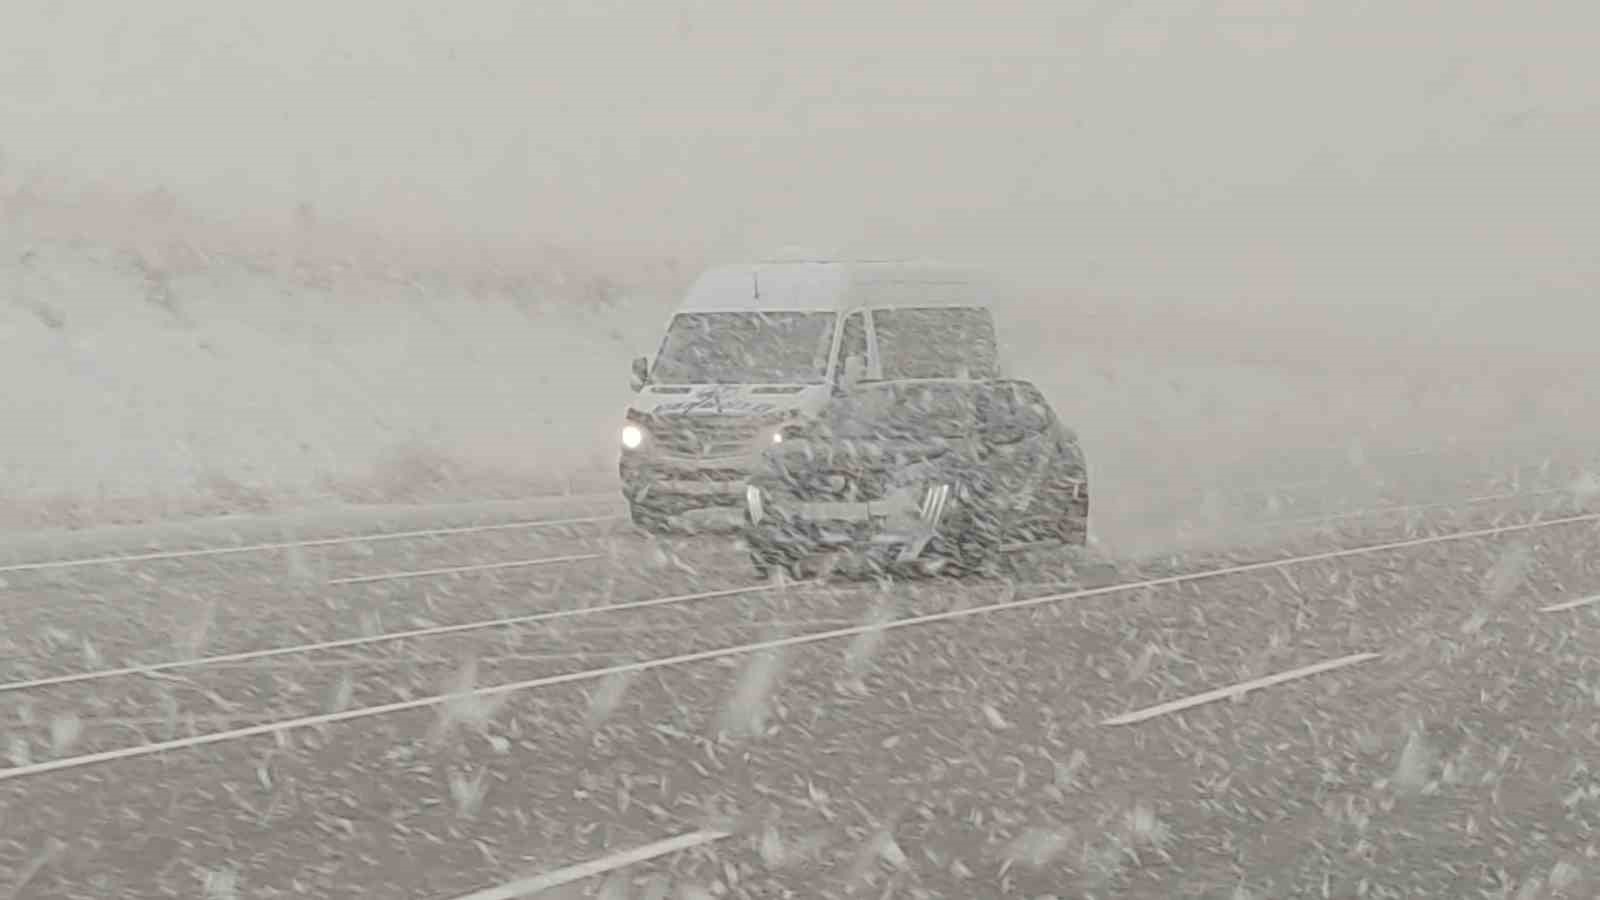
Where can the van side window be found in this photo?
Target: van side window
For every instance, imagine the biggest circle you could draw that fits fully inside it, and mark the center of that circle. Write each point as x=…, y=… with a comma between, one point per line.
x=854, y=342
x=936, y=342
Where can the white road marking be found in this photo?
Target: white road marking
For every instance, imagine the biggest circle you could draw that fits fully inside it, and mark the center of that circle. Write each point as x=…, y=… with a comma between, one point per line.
x=201, y=740
x=1236, y=690
x=270, y=652
x=524, y=887
x=460, y=570
x=1374, y=511
x=1571, y=604
x=289, y=545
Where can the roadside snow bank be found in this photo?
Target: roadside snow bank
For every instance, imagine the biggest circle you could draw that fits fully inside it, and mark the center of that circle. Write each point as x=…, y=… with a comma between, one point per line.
x=136, y=388
x=166, y=380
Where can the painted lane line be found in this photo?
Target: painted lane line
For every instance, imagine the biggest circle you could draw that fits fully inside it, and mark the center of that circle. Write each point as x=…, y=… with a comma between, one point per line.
x=102, y=674
x=525, y=887
x=1236, y=690
x=1374, y=511
x=290, y=545
x=462, y=570
x=1571, y=604
x=73, y=762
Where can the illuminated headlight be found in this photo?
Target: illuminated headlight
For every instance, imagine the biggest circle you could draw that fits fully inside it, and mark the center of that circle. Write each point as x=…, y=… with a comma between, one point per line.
x=632, y=436
x=777, y=437
x=752, y=499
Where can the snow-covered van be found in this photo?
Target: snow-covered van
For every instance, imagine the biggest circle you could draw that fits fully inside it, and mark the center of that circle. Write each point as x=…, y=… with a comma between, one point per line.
x=755, y=347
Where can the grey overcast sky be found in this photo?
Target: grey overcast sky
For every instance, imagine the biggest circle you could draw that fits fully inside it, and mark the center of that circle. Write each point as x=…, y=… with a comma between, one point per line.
x=1410, y=156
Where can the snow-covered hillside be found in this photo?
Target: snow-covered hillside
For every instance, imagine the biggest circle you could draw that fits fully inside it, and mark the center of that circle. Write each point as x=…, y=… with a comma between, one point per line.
x=155, y=366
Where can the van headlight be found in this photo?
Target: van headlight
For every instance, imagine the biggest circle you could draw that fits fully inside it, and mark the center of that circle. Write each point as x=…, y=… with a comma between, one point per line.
x=632, y=436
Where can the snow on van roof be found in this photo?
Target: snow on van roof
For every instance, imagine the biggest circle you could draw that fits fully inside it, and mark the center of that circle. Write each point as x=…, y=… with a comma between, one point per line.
x=837, y=285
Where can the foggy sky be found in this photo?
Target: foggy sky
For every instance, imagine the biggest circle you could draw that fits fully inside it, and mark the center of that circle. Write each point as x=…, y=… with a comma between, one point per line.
x=1427, y=165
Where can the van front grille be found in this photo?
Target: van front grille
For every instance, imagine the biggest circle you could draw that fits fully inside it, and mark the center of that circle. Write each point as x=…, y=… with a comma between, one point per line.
x=838, y=485
x=708, y=437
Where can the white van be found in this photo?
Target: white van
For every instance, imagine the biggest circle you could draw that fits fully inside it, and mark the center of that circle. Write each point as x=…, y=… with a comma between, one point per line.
x=754, y=347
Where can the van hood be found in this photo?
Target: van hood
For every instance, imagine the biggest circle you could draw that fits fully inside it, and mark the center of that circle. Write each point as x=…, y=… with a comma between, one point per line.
x=729, y=399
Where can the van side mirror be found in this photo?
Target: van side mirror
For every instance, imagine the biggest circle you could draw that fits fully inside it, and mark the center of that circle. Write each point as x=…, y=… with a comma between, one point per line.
x=1005, y=435
x=1013, y=414
x=641, y=373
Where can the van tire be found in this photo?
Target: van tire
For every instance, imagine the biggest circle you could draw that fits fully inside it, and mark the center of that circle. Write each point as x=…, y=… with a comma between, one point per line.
x=647, y=519
x=972, y=547
x=765, y=562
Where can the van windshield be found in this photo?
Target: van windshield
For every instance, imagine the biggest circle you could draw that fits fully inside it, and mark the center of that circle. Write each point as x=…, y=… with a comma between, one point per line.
x=746, y=348
x=937, y=342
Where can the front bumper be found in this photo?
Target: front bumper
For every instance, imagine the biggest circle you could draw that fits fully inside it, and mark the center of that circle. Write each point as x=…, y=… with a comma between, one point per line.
x=897, y=529
x=671, y=483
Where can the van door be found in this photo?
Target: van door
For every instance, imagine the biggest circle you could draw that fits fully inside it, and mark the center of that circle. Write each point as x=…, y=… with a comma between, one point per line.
x=853, y=342
x=874, y=359
x=1020, y=446
x=935, y=342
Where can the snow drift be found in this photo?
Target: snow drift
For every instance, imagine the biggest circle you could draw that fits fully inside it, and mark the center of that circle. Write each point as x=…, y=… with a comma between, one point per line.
x=197, y=369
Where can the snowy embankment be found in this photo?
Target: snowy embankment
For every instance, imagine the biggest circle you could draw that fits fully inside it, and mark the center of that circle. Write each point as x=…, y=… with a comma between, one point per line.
x=166, y=379
x=141, y=385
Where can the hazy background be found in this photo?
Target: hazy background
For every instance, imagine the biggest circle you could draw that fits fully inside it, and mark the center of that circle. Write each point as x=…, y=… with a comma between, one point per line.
x=1291, y=184
x=1422, y=160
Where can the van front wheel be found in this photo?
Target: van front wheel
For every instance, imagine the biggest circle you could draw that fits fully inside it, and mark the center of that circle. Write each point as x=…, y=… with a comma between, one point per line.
x=647, y=519
x=767, y=560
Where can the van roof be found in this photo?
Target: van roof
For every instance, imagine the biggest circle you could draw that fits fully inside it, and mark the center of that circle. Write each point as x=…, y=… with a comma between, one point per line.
x=837, y=285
